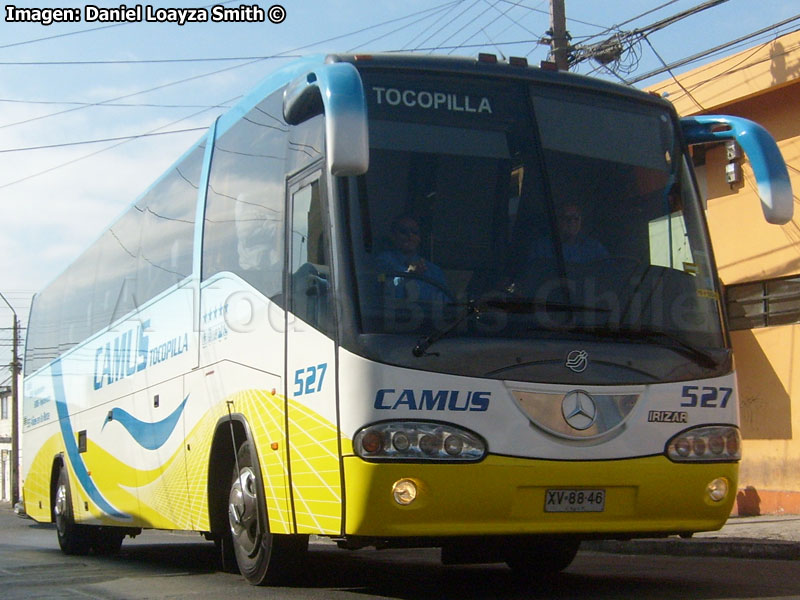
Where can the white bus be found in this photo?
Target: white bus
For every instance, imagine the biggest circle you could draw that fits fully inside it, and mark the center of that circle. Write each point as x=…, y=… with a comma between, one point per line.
x=399, y=301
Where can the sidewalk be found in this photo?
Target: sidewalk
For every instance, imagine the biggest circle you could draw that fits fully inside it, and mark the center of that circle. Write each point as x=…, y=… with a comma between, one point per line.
x=774, y=537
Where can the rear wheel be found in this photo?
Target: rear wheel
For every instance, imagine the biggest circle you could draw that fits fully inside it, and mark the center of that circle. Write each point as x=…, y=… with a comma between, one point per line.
x=263, y=558
x=534, y=558
x=72, y=538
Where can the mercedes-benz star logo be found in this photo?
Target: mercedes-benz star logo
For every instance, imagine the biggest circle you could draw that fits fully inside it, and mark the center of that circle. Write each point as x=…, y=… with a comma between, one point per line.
x=577, y=360
x=579, y=410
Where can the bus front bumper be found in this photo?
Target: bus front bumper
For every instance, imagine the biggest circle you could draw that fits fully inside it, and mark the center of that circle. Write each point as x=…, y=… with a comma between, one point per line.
x=507, y=496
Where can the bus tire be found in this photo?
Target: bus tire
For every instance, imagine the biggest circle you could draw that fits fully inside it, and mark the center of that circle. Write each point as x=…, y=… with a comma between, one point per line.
x=536, y=558
x=72, y=538
x=263, y=558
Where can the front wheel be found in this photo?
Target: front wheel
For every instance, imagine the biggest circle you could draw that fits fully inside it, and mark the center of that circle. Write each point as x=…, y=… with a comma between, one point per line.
x=263, y=558
x=72, y=538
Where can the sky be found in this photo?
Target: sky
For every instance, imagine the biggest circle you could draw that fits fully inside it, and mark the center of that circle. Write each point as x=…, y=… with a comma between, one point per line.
x=65, y=86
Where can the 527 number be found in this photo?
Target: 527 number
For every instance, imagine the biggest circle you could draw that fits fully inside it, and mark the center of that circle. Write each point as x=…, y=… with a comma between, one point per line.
x=706, y=397
x=309, y=380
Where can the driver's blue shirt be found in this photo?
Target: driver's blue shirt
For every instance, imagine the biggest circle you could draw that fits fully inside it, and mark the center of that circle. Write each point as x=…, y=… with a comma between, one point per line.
x=583, y=250
x=393, y=263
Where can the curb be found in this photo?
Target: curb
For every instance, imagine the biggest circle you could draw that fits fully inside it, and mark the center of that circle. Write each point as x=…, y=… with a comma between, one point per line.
x=728, y=548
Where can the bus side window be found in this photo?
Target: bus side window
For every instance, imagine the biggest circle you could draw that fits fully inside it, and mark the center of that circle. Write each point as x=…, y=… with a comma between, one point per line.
x=244, y=219
x=309, y=272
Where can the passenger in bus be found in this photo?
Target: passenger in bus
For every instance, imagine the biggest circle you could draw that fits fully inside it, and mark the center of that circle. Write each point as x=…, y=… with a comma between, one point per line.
x=404, y=257
x=576, y=247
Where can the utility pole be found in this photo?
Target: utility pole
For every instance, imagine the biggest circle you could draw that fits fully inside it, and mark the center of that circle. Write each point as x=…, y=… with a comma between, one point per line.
x=15, y=414
x=559, y=39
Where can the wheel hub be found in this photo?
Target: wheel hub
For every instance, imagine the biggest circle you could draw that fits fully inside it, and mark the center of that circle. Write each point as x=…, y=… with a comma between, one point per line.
x=60, y=508
x=243, y=512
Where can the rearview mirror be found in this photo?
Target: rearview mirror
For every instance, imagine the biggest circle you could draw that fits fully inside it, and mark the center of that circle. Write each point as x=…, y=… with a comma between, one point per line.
x=334, y=90
x=772, y=177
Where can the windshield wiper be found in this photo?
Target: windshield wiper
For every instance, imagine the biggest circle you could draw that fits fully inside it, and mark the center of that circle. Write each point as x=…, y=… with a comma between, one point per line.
x=681, y=346
x=422, y=345
x=509, y=305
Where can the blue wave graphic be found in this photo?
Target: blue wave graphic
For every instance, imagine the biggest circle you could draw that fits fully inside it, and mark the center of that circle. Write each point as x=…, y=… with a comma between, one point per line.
x=71, y=445
x=150, y=436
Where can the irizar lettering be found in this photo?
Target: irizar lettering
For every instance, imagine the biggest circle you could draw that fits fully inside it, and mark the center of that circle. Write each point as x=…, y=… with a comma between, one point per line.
x=432, y=100
x=667, y=416
x=432, y=400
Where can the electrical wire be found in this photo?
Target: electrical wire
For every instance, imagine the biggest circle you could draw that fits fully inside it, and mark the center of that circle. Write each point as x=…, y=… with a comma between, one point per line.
x=80, y=158
x=701, y=55
x=441, y=8
x=500, y=15
x=674, y=78
x=443, y=27
x=141, y=61
x=282, y=55
x=100, y=141
x=90, y=30
x=153, y=89
x=112, y=104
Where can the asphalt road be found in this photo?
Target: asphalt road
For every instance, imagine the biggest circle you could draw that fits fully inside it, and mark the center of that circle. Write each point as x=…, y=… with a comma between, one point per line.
x=166, y=565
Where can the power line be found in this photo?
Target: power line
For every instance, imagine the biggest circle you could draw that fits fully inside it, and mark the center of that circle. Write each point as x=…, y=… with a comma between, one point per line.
x=60, y=35
x=100, y=141
x=700, y=55
x=90, y=30
x=440, y=8
x=80, y=158
x=282, y=54
x=153, y=89
x=112, y=104
x=674, y=78
x=610, y=50
x=142, y=61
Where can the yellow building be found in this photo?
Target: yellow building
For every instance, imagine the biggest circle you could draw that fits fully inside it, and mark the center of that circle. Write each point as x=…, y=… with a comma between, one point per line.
x=759, y=264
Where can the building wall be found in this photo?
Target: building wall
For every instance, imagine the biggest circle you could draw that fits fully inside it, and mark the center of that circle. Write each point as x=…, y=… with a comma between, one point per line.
x=761, y=84
x=5, y=450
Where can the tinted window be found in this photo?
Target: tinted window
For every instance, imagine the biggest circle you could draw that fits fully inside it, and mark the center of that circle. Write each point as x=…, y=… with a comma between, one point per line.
x=243, y=228
x=168, y=228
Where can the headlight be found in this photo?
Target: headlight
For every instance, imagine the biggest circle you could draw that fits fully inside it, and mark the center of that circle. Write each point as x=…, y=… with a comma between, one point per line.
x=710, y=443
x=418, y=441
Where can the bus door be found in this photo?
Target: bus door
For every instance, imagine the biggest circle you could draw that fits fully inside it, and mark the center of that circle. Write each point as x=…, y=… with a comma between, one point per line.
x=310, y=379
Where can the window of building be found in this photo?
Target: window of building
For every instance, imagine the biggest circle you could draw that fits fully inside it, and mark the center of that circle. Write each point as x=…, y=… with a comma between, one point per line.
x=763, y=303
x=4, y=408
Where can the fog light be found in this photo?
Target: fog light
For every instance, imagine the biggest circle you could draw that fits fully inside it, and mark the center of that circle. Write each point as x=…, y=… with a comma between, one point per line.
x=717, y=489
x=404, y=492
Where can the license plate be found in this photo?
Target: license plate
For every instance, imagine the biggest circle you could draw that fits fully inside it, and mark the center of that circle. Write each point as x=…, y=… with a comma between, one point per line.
x=574, y=500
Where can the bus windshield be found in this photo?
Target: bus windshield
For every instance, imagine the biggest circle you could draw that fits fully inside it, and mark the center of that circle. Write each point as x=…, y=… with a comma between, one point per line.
x=515, y=211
